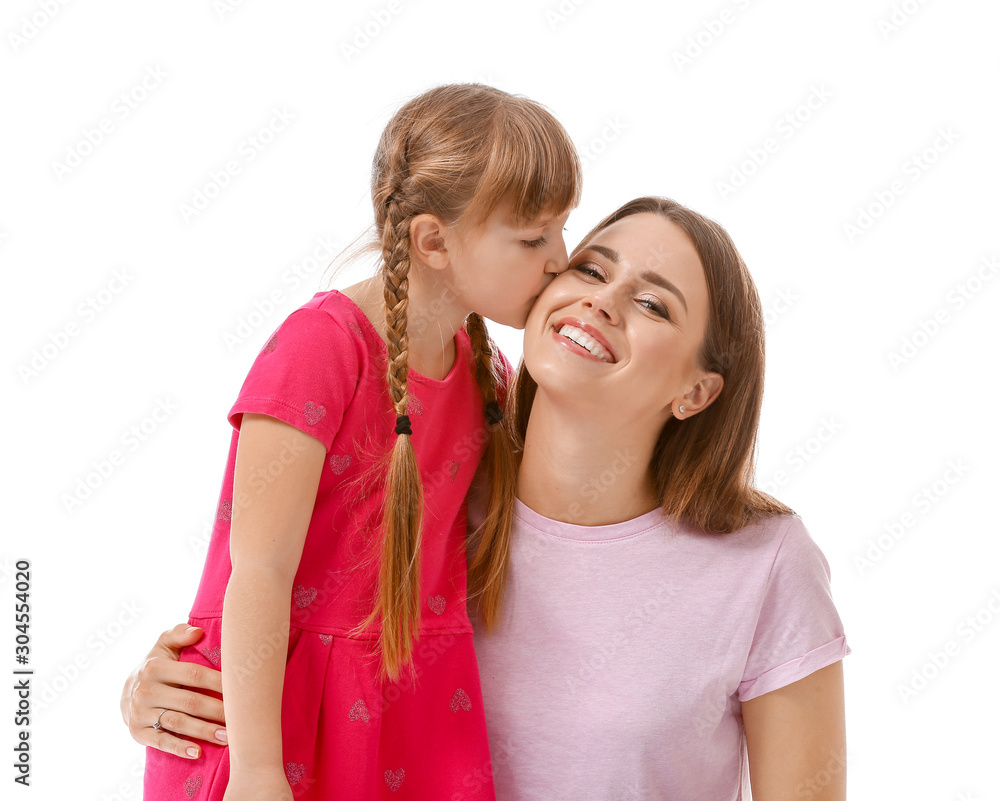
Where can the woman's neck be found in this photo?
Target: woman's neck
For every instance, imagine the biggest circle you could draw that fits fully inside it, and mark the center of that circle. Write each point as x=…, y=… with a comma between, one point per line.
x=579, y=470
x=432, y=320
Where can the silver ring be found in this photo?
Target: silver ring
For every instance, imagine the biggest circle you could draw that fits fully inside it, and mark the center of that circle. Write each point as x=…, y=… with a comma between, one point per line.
x=157, y=726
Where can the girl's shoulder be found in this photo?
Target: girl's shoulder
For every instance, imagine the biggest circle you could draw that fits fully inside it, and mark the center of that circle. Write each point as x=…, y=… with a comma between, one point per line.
x=311, y=369
x=339, y=307
x=332, y=320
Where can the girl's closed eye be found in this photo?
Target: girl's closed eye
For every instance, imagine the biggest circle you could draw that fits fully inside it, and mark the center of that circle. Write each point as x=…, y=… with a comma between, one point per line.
x=534, y=243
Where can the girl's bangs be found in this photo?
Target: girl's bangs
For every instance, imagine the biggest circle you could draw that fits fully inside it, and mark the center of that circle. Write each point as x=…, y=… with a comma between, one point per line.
x=534, y=167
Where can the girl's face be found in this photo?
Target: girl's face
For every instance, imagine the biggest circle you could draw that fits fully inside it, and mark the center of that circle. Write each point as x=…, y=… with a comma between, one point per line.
x=500, y=269
x=617, y=334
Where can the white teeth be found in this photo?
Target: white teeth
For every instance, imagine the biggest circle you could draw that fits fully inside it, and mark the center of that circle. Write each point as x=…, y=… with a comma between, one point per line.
x=576, y=335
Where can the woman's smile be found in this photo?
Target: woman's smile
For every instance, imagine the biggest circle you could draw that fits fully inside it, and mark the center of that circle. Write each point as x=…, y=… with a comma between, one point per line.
x=582, y=338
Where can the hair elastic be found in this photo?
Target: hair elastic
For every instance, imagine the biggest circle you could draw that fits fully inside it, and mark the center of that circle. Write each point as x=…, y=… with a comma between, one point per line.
x=494, y=414
x=403, y=425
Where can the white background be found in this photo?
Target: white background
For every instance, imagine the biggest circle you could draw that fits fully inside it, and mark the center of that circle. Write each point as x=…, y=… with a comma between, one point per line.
x=859, y=442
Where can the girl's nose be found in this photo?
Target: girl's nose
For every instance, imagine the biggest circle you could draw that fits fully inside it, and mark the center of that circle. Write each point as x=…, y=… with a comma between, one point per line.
x=558, y=261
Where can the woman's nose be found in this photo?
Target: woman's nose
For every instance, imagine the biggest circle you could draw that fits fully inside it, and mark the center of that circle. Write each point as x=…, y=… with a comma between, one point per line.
x=602, y=304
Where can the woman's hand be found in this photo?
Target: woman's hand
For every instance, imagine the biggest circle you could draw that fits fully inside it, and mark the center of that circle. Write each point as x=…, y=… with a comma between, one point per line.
x=164, y=684
x=260, y=785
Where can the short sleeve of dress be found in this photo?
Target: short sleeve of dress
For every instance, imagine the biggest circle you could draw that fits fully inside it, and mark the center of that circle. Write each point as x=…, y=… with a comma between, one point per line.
x=798, y=629
x=306, y=375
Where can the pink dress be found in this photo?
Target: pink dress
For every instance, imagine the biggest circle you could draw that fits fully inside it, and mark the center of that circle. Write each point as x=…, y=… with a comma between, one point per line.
x=345, y=734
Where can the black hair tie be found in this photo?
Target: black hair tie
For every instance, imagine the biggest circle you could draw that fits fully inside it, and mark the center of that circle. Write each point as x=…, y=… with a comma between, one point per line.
x=494, y=414
x=403, y=425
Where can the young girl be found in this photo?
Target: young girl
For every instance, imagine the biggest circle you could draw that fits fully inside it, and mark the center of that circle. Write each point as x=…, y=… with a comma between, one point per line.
x=340, y=534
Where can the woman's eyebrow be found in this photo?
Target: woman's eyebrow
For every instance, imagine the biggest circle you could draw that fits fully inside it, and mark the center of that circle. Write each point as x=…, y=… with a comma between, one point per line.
x=648, y=275
x=660, y=281
x=608, y=253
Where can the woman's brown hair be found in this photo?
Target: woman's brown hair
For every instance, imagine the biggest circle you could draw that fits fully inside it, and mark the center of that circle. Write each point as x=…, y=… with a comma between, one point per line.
x=703, y=465
x=457, y=152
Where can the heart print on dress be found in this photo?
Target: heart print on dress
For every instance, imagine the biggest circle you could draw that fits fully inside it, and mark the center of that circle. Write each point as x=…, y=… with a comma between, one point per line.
x=394, y=778
x=461, y=700
x=437, y=604
x=294, y=771
x=192, y=784
x=314, y=412
x=359, y=711
x=303, y=597
x=340, y=462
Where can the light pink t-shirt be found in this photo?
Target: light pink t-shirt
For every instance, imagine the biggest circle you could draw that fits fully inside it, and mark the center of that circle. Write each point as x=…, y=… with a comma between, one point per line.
x=624, y=651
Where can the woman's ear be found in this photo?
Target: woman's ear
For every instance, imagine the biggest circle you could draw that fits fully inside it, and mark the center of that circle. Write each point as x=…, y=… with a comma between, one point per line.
x=699, y=397
x=427, y=241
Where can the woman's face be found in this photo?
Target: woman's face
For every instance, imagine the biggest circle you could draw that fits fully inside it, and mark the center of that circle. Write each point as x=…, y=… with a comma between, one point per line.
x=618, y=332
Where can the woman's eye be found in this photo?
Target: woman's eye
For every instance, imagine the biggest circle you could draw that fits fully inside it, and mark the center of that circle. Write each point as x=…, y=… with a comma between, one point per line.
x=588, y=269
x=534, y=243
x=655, y=306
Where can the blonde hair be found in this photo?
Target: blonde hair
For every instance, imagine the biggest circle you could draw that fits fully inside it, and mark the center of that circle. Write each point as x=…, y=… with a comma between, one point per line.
x=457, y=152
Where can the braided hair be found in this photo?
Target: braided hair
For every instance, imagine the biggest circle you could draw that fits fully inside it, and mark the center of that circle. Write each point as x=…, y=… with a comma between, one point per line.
x=457, y=152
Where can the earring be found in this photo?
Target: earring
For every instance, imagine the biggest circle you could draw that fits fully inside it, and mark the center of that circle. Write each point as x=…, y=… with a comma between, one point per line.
x=681, y=410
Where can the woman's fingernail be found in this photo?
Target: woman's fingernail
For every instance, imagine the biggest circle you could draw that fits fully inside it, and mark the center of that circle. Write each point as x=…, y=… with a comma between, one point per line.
x=190, y=629
x=221, y=736
x=192, y=752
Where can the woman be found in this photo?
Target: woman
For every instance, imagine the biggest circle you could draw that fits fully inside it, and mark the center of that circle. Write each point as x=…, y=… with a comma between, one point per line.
x=660, y=614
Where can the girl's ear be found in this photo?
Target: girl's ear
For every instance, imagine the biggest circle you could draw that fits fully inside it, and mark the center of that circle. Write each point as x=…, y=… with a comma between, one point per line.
x=427, y=244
